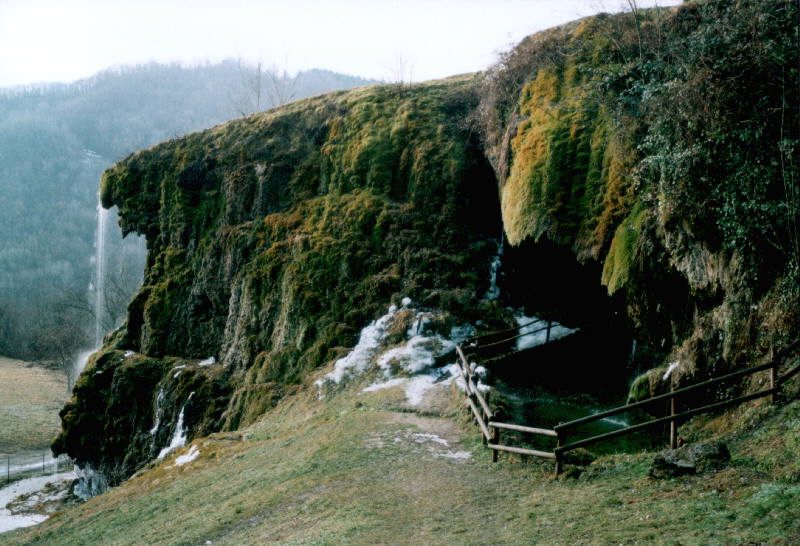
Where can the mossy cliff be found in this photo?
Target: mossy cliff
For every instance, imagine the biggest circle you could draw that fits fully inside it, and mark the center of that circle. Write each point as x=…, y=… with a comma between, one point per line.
x=272, y=241
x=653, y=154
x=661, y=149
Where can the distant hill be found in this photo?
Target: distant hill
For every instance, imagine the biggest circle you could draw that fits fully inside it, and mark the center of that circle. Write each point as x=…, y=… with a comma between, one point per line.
x=56, y=139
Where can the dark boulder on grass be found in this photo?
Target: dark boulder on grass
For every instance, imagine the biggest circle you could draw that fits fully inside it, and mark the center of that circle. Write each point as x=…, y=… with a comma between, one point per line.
x=691, y=459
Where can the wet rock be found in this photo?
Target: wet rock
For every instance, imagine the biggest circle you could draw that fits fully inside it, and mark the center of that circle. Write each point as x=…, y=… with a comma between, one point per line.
x=691, y=459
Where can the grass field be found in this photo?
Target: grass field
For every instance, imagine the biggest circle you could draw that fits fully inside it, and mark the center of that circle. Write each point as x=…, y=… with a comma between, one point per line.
x=360, y=468
x=30, y=399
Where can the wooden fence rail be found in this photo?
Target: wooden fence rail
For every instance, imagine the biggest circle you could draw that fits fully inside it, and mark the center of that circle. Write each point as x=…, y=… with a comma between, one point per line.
x=491, y=429
x=483, y=415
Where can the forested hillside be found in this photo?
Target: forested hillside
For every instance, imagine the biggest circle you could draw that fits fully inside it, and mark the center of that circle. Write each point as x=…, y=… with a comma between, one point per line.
x=56, y=139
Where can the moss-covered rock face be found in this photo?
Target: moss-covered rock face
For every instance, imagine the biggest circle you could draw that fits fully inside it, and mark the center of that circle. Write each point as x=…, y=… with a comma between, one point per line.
x=272, y=241
x=657, y=147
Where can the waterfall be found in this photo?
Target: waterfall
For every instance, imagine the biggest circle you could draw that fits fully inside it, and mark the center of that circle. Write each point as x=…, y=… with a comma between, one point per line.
x=96, y=289
x=100, y=273
x=494, y=291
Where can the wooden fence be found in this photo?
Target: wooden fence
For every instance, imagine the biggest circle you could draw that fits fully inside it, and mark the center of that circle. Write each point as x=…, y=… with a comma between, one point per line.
x=15, y=466
x=490, y=428
x=498, y=345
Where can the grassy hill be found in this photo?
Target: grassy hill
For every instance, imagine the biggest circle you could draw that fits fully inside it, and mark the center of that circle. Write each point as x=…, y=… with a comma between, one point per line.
x=366, y=468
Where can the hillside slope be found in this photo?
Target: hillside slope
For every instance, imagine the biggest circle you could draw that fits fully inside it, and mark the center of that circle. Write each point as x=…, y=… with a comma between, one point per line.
x=369, y=468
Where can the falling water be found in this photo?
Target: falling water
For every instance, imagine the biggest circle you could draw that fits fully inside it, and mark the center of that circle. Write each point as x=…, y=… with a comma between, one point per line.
x=97, y=289
x=494, y=291
x=99, y=273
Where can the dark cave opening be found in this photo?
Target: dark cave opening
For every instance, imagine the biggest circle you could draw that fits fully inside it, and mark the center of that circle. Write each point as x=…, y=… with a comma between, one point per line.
x=579, y=374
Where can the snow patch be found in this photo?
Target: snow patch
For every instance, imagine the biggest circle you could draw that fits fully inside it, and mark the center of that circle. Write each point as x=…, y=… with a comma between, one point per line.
x=459, y=455
x=193, y=453
x=358, y=359
x=128, y=354
x=385, y=385
x=417, y=387
x=418, y=354
x=615, y=421
x=9, y=521
x=415, y=360
x=210, y=361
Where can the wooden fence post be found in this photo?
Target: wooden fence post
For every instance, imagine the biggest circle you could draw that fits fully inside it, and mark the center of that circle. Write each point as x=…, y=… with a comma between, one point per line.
x=495, y=441
x=547, y=336
x=673, y=426
x=559, y=462
x=773, y=375
x=484, y=439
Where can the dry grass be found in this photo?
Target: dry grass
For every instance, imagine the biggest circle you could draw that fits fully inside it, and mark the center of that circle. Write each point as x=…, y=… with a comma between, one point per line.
x=30, y=399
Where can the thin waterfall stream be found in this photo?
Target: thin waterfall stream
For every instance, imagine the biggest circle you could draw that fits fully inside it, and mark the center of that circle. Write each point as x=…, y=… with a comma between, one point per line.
x=99, y=281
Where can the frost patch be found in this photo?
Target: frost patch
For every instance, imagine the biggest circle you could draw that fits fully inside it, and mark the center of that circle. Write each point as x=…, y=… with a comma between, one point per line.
x=385, y=385
x=417, y=387
x=419, y=442
x=421, y=437
x=187, y=457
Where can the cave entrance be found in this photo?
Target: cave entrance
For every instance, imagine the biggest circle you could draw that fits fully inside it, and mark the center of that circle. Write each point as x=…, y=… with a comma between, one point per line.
x=587, y=368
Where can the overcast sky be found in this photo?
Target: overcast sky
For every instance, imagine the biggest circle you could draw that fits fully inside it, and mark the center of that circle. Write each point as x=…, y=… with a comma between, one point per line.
x=65, y=40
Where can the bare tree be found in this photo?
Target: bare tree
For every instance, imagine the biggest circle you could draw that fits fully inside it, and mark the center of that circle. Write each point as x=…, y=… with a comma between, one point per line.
x=261, y=88
x=401, y=70
x=60, y=333
x=637, y=21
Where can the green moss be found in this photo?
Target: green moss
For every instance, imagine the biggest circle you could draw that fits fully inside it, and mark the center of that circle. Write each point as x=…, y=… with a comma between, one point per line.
x=646, y=385
x=275, y=238
x=569, y=177
x=621, y=256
